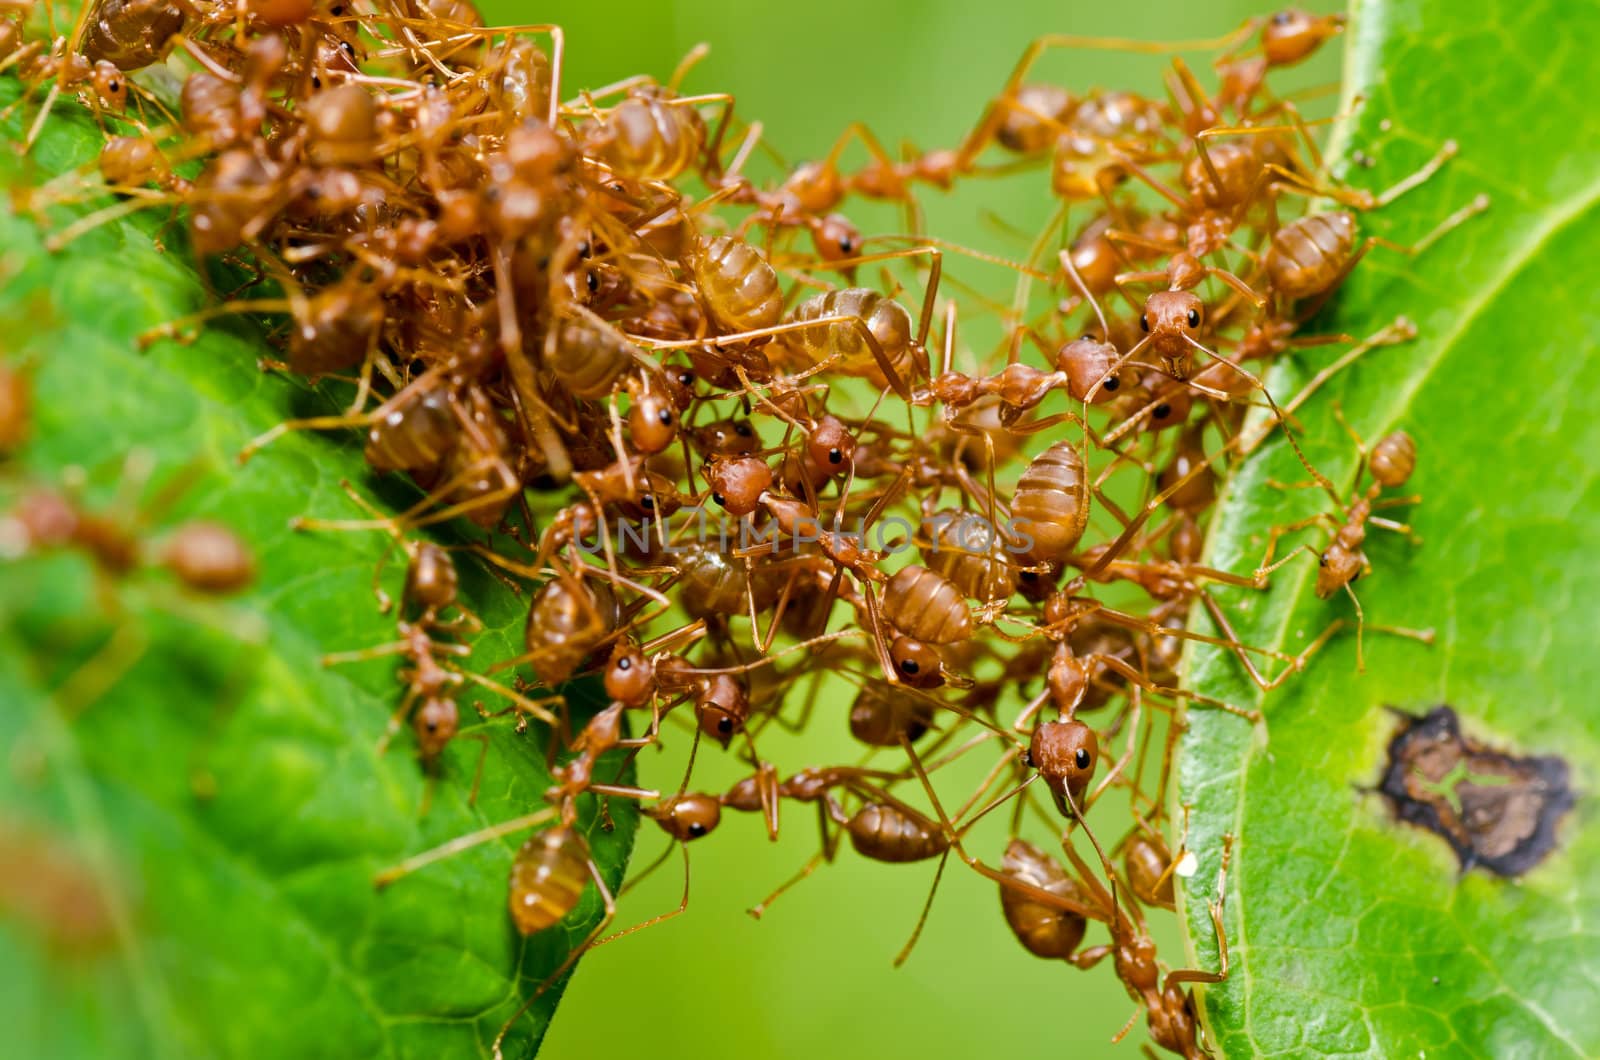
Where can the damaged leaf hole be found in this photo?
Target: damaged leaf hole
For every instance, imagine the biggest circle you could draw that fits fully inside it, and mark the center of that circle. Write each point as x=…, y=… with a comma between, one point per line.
x=1498, y=811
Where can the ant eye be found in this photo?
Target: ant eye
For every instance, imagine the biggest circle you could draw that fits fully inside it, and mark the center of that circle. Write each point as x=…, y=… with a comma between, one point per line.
x=1083, y=759
x=1282, y=18
x=114, y=86
x=648, y=503
x=624, y=663
x=1029, y=576
x=1322, y=560
x=909, y=666
x=1194, y=318
x=743, y=430
x=1144, y=322
x=665, y=416
x=725, y=725
x=1027, y=759
x=686, y=379
x=697, y=830
x=847, y=244
x=835, y=456
x=1162, y=411
x=594, y=283
x=1089, y=336
x=719, y=499
x=1111, y=384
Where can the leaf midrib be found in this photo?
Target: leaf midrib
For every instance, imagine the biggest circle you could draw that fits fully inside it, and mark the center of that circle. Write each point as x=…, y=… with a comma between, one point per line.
x=1558, y=216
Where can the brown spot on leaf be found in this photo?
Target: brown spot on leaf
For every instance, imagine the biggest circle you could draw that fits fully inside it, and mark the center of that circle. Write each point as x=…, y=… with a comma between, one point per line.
x=1498, y=811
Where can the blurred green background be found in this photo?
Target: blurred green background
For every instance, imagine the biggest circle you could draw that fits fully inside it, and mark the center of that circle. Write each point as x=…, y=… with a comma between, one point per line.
x=814, y=977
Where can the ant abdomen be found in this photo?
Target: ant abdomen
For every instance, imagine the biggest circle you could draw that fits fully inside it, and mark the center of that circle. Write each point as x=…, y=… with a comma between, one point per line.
x=884, y=832
x=1307, y=255
x=1051, y=503
x=131, y=34
x=647, y=138
x=1043, y=930
x=1393, y=459
x=415, y=436
x=926, y=606
x=739, y=288
x=548, y=878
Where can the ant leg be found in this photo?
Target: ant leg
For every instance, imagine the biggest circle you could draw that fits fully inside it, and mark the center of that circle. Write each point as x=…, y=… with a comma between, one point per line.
x=1196, y=975
x=986, y=128
x=519, y=703
x=683, y=904
x=96, y=677
x=397, y=719
x=1400, y=330
x=829, y=848
x=1266, y=567
x=1361, y=624
x=927, y=906
x=579, y=950
x=339, y=658
x=483, y=756
x=457, y=845
x=1088, y=959
x=1038, y=894
x=855, y=323
x=1128, y=673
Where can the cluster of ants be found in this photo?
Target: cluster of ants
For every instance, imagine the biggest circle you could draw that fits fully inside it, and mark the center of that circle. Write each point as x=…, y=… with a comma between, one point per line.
x=654, y=388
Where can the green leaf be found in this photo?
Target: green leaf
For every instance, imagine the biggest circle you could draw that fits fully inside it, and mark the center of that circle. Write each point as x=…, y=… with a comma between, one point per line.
x=243, y=923
x=1351, y=933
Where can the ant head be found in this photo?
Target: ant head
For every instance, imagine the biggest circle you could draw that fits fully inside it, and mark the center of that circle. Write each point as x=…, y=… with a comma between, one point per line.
x=722, y=708
x=835, y=237
x=738, y=484
x=435, y=722
x=688, y=816
x=917, y=664
x=1168, y=407
x=1088, y=361
x=110, y=86
x=1337, y=567
x=629, y=675
x=1291, y=35
x=1172, y=319
x=1065, y=754
x=1393, y=459
x=726, y=438
x=831, y=446
x=652, y=421
x=680, y=384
